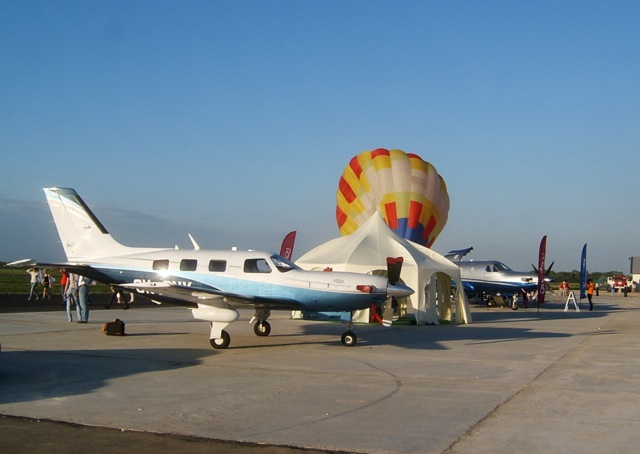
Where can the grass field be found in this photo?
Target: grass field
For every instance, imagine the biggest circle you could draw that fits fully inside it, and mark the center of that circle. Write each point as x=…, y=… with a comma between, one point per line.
x=15, y=281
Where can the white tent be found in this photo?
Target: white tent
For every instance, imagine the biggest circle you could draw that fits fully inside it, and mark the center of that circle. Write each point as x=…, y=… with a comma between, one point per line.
x=428, y=273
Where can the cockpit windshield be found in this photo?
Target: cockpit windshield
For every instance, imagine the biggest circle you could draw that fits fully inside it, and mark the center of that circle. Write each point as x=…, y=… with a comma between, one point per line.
x=499, y=266
x=283, y=265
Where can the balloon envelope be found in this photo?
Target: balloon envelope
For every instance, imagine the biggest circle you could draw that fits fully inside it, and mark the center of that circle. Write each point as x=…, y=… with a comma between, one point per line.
x=403, y=188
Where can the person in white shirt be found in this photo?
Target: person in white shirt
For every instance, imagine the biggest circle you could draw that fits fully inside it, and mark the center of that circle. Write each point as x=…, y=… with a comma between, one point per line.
x=83, y=298
x=34, y=283
x=71, y=295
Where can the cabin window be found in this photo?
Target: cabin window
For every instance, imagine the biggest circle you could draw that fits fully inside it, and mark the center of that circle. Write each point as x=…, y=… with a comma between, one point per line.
x=488, y=268
x=218, y=266
x=160, y=265
x=256, y=266
x=188, y=265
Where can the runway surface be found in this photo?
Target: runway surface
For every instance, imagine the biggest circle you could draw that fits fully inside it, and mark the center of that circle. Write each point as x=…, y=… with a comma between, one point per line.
x=530, y=380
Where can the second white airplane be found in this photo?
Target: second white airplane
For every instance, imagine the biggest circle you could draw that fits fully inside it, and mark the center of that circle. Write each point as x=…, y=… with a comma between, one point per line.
x=215, y=284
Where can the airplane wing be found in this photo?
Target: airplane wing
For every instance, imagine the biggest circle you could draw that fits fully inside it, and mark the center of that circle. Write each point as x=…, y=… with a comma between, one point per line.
x=179, y=295
x=165, y=292
x=76, y=268
x=466, y=285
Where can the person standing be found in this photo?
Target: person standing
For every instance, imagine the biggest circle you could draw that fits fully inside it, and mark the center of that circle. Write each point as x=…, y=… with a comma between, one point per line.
x=71, y=295
x=114, y=297
x=120, y=296
x=83, y=298
x=34, y=283
x=590, y=289
x=64, y=275
x=46, y=284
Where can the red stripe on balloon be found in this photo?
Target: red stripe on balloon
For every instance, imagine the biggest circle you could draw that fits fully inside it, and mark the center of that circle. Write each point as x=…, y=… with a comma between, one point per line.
x=415, y=209
x=346, y=190
x=429, y=228
x=379, y=152
x=392, y=214
x=355, y=166
x=341, y=217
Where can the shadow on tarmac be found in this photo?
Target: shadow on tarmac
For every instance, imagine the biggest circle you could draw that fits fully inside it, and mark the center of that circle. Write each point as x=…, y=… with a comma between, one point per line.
x=59, y=375
x=44, y=436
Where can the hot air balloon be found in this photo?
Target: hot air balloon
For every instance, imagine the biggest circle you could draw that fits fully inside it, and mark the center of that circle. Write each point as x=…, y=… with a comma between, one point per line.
x=403, y=188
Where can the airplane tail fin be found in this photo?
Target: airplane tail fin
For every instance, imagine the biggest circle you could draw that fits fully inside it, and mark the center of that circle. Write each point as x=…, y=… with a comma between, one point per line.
x=82, y=235
x=286, y=249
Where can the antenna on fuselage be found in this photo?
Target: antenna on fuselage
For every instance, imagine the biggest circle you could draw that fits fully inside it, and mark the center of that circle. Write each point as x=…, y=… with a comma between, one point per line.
x=196, y=246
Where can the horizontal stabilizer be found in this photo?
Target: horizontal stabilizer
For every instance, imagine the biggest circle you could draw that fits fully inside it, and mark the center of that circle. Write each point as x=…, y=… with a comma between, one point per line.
x=456, y=256
x=21, y=262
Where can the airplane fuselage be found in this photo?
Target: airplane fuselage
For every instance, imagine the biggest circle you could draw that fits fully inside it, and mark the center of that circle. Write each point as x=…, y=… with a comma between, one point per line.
x=494, y=277
x=250, y=274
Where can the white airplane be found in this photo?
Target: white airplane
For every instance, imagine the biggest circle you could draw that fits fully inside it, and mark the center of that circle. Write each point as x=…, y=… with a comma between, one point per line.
x=215, y=284
x=493, y=278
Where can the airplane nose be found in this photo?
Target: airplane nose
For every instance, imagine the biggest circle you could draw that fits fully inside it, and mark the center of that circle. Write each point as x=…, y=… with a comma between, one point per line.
x=399, y=290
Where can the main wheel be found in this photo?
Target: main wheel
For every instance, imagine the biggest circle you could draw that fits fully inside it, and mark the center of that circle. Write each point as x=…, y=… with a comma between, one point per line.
x=262, y=328
x=222, y=342
x=349, y=339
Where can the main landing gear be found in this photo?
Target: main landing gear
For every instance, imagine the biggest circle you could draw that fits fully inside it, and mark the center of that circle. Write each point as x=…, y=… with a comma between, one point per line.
x=503, y=301
x=221, y=342
x=514, y=302
x=262, y=328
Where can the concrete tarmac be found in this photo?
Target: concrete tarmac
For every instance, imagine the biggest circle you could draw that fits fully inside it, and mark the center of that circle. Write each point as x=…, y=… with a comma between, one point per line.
x=532, y=380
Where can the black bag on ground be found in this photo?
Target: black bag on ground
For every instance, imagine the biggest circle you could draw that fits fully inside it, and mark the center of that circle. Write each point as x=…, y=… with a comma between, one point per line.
x=114, y=328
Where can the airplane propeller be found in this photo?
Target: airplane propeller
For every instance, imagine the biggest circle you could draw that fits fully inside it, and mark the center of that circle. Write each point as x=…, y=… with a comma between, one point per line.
x=546, y=273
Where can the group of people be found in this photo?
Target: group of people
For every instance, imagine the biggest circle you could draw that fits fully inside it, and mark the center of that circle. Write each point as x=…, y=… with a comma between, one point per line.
x=75, y=291
x=40, y=277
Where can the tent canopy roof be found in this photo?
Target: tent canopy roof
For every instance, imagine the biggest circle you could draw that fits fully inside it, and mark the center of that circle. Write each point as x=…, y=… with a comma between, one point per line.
x=370, y=246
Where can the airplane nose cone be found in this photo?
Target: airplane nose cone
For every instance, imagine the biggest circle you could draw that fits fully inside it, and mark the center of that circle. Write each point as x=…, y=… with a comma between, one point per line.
x=399, y=290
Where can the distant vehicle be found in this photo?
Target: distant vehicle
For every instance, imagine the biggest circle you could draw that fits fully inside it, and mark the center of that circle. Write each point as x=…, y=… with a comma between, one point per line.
x=214, y=284
x=493, y=281
x=619, y=283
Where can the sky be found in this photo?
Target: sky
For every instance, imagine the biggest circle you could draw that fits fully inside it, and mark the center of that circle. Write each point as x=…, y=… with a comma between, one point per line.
x=233, y=120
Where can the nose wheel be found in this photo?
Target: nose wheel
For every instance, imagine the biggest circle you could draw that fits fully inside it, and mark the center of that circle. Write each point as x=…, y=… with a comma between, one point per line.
x=349, y=339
